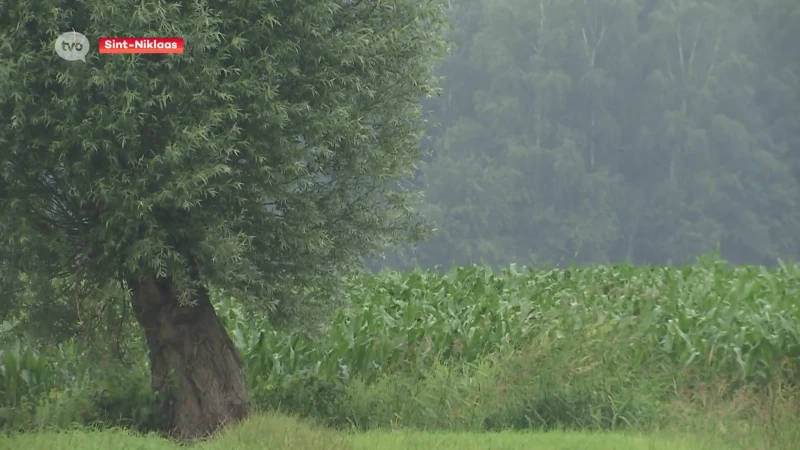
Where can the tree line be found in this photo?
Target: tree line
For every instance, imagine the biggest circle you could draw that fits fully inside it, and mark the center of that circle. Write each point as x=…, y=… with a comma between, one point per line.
x=605, y=131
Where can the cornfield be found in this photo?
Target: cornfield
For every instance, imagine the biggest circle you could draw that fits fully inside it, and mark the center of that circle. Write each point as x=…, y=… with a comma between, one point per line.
x=735, y=323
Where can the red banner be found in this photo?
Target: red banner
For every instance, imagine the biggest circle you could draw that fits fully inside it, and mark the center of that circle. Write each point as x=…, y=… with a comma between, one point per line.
x=141, y=45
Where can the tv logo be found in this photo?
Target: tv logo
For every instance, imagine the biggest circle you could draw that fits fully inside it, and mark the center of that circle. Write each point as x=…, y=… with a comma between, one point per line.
x=72, y=46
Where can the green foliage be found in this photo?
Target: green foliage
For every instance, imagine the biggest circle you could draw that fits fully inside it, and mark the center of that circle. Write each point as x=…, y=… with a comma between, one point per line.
x=594, y=348
x=108, y=396
x=24, y=375
x=98, y=319
x=649, y=330
x=270, y=155
x=65, y=385
x=733, y=322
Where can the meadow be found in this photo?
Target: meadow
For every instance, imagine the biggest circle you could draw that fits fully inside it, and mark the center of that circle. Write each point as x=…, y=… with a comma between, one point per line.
x=702, y=356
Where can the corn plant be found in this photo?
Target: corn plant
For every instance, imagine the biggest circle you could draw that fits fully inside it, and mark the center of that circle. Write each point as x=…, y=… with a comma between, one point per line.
x=738, y=323
x=24, y=374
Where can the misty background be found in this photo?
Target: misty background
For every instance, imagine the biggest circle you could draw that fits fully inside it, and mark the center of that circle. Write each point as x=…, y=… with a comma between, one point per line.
x=609, y=131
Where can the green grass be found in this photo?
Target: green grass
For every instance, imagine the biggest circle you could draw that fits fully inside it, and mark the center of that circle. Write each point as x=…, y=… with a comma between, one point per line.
x=272, y=432
x=554, y=440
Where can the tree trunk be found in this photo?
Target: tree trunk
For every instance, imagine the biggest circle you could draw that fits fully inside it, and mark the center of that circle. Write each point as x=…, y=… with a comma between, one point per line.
x=194, y=365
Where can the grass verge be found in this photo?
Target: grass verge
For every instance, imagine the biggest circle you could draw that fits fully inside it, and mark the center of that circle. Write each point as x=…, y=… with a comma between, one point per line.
x=278, y=432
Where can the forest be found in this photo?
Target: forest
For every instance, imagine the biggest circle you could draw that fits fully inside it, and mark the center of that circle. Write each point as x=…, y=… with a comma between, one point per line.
x=606, y=131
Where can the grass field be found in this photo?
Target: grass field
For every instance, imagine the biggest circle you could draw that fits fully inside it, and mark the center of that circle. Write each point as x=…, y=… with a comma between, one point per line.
x=272, y=432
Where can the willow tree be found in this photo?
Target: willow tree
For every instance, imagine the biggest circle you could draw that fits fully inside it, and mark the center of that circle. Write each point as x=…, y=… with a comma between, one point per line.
x=270, y=154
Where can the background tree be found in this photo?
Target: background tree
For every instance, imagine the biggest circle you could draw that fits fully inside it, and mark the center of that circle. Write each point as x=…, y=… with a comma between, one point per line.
x=268, y=157
x=595, y=131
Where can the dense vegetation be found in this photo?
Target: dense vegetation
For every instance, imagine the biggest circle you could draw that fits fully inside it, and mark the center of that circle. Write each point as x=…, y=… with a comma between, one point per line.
x=602, y=131
x=596, y=348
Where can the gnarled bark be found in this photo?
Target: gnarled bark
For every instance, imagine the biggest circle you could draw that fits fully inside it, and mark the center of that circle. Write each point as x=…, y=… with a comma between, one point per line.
x=194, y=364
